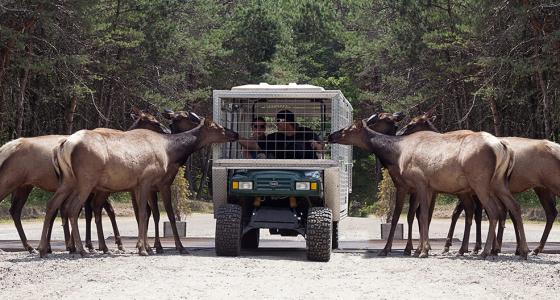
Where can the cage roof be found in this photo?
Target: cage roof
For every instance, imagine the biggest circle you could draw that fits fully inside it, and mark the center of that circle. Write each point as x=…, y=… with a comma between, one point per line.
x=292, y=87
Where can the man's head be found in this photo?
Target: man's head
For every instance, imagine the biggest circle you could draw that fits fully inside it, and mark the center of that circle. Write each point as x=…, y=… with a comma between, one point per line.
x=285, y=121
x=258, y=126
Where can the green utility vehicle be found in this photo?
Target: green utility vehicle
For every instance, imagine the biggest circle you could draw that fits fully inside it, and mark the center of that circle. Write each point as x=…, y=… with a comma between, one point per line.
x=281, y=176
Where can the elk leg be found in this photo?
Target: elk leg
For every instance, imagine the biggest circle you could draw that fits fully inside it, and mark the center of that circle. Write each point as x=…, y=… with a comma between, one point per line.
x=156, y=215
x=97, y=210
x=478, y=221
x=52, y=208
x=497, y=247
x=410, y=220
x=394, y=221
x=141, y=195
x=454, y=217
x=111, y=213
x=88, y=212
x=548, y=202
x=432, y=207
x=19, y=197
x=424, y=223
x=97, y=202
x=68, y=237
x=166, y=196
x=469, y=211
x=74, y=207
x=515, y=212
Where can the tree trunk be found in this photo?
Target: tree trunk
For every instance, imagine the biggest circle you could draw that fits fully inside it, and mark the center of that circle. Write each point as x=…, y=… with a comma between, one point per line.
x=21, y=99
x=70, y=114
x=496, y=118
x=204, y=172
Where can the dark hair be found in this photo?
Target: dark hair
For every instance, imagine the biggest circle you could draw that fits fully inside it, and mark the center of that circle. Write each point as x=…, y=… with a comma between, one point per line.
x=286, y=115
x=258, y=119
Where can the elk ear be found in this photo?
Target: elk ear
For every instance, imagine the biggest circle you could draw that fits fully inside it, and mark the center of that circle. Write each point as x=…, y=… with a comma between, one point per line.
x=398, y=116
x=136, y=113
x=372, y=119
x=432, y=118
x=430, y=112
x=194, y=117
x=168, y=114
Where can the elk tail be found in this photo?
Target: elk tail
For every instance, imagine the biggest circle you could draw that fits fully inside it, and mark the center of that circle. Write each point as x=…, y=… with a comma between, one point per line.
x=8, y=150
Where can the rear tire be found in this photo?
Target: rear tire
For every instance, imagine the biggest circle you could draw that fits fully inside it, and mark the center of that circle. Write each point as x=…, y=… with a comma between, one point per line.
x=228, y=230
x=319, y=232
x=251, y=239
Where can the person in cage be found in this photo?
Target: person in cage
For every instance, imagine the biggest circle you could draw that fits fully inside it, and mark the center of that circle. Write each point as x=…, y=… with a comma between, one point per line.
x=291, y=141
x=258, y=133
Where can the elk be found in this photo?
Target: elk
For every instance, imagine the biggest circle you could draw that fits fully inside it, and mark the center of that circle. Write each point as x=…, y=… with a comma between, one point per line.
x=428, y=162
x=181, y=121
x=537, y=166
x=140, y=161
x=26, y=163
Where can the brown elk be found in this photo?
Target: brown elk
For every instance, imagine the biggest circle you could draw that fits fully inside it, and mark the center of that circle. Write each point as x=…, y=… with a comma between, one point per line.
x=537, y=166
x=27, y=162
x=427, y=162
x=139, y=161
x=181, y=121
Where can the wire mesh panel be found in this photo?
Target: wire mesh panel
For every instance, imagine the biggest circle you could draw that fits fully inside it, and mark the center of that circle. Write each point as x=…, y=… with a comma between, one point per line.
x=277, y=128
x=285, y=123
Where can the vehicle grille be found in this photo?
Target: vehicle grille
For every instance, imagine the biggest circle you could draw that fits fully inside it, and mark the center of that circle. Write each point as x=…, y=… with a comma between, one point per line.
x=264, y=184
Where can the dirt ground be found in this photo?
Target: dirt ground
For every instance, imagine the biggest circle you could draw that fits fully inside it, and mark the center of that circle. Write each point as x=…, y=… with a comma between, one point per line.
x=278, y=273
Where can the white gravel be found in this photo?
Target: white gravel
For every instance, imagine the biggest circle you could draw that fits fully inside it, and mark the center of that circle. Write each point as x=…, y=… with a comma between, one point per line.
x=272, y=274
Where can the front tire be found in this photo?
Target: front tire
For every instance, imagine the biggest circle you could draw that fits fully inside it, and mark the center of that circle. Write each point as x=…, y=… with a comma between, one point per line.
x=228, y=230
x=319, y=232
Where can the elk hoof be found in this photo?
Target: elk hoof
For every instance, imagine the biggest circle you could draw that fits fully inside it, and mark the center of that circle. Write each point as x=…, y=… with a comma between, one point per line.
x=31, y=250
x=536, y=251
x=89, y=246
x=423, y=254
x=143, y=252
x=43, y=253
x=184, y=251
x=84, y=253
x=159, y=249
x=476, y=249
x=445, y=250
x=104, y=249
x=150, y=251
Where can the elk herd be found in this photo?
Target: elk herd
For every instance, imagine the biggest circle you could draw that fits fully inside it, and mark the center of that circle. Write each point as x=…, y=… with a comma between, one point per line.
x=82, y=169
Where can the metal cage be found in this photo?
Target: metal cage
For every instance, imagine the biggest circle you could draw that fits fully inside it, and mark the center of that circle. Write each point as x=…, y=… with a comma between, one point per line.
x=316, y=113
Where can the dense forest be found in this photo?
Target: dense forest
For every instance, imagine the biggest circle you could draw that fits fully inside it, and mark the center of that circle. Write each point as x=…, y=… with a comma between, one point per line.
x=485, y=65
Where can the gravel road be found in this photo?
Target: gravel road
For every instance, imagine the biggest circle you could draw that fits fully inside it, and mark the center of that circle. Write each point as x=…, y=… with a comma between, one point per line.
x=277, y=273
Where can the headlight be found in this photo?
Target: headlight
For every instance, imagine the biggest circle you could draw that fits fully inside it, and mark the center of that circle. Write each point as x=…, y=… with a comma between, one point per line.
x=242, y=185
x=302, y=186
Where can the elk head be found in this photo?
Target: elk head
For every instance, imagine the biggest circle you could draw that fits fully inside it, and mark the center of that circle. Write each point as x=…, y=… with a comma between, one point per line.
x=385, y=123
x=420, y=123
x=144, y=120
x=182, y=121
x=215, y=133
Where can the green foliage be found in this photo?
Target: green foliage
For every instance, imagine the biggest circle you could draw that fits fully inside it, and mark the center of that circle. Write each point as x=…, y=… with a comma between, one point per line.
x=485, y=65
x=181, y=195
x=387, y=197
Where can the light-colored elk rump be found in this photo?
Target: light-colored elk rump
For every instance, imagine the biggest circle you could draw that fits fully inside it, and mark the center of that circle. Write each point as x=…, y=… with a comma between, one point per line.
x=27, y=162
x=537, y=166
x=427, y=162
x=140, y=161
